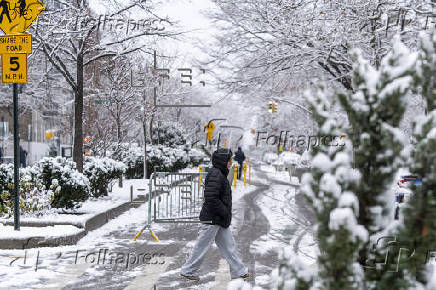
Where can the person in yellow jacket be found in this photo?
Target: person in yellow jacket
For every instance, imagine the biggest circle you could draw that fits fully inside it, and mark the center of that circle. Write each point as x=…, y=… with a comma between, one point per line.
x=209, y=128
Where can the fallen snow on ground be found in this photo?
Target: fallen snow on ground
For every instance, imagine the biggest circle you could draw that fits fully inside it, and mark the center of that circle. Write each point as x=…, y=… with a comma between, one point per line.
x=8, y=232
x=92, y=206
x=27, y=269
x=237, y=207
x=37, y=268
x=240, y=191
x=288, y=226
x=124, y=192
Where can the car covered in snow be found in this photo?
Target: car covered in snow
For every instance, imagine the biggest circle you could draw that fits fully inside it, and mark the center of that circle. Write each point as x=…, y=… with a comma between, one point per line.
x=403, y=191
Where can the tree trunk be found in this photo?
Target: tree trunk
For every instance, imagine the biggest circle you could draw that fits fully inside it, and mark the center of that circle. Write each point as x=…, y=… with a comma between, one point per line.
x=151, y=130
x=118, y=131
x=78, y=116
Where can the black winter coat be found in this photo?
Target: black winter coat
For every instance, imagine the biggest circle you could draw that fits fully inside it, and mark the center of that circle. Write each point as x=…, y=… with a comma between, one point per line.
x=217, y=206
x=239, y=156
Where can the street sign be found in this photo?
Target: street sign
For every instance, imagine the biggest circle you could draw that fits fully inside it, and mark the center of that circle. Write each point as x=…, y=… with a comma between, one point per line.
x=16, y=16
x=16, y=43
x=14, y=68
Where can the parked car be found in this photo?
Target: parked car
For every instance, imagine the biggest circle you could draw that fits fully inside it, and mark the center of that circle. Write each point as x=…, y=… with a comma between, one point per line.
x=403, y=191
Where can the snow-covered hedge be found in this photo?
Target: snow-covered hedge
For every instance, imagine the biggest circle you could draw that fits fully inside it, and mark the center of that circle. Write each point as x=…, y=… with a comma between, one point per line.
x=289, y=158
x=35, y=199
x=159, y=157
x=163, y=158
x=196, y=157
x=54, y=182
x=169, y=134
x=305, y=160
x=74, y=186
x=100, y=171
x=133, y=158
x=270, y=157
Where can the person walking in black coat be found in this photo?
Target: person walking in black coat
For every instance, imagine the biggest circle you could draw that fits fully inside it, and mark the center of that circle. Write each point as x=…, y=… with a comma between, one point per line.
x=23, y=157
x=216, y=215
x=240, y=158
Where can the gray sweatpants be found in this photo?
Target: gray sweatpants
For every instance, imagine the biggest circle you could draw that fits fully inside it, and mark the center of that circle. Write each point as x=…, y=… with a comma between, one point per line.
x=226, y=245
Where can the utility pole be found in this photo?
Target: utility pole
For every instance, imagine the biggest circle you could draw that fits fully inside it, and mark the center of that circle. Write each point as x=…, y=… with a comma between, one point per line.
x=144, y=125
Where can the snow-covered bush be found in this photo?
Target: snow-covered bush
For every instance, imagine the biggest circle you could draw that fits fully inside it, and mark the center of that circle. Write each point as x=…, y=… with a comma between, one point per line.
x=305, y=160
x=100, y=171
x=289, y=158
x=270, y=157
x=159, y=157
x=59, y=171
x=133, y=158
x=163, y=158
x=35, y=200
x=196, y=157
x=169, y=134
x=6, y=176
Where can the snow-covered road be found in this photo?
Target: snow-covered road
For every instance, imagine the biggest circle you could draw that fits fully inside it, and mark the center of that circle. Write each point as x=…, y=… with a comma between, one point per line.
x=268, y=215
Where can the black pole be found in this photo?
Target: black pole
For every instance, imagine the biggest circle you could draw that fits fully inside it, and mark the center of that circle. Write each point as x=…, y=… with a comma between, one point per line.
x=16, y=163
x=144, y=124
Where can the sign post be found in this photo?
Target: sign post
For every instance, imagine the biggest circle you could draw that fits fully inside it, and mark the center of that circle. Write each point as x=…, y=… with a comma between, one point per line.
x=16, y=163
x=16, y=16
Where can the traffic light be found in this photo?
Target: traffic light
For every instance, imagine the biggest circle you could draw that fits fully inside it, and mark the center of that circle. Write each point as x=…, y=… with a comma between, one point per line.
x=274, y=108
x=270, y=108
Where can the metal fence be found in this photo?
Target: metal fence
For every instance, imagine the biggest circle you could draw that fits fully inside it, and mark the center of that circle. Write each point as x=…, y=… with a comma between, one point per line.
x=175, y=197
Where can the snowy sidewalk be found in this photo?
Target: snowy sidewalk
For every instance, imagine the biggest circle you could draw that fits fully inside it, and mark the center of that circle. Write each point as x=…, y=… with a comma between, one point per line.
x=67, y=228
x=107, y=257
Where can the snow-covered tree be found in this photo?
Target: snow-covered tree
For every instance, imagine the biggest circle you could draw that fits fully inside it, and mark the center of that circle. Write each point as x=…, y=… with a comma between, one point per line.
x=331, y=191
x=352, y=204
x=108, y=112
x=419, y=231
x=260, y=39
x=68, y=34
x=374, y=111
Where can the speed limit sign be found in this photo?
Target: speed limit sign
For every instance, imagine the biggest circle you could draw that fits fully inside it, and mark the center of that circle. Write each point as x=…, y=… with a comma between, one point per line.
x=14, y=68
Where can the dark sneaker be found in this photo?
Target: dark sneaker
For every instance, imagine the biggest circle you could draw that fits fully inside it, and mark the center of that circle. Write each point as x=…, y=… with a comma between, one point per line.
x=190, y=278
x=246, y=277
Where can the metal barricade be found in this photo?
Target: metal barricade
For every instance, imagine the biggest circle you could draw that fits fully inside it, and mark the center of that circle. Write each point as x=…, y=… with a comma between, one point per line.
x=176, y=197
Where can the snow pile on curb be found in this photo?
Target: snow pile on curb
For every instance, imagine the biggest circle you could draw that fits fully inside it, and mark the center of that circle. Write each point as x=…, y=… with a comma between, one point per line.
x=8, y=232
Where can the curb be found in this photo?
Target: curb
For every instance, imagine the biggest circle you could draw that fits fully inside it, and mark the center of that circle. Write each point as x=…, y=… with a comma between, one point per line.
x=39, y=242
x=91, y=224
